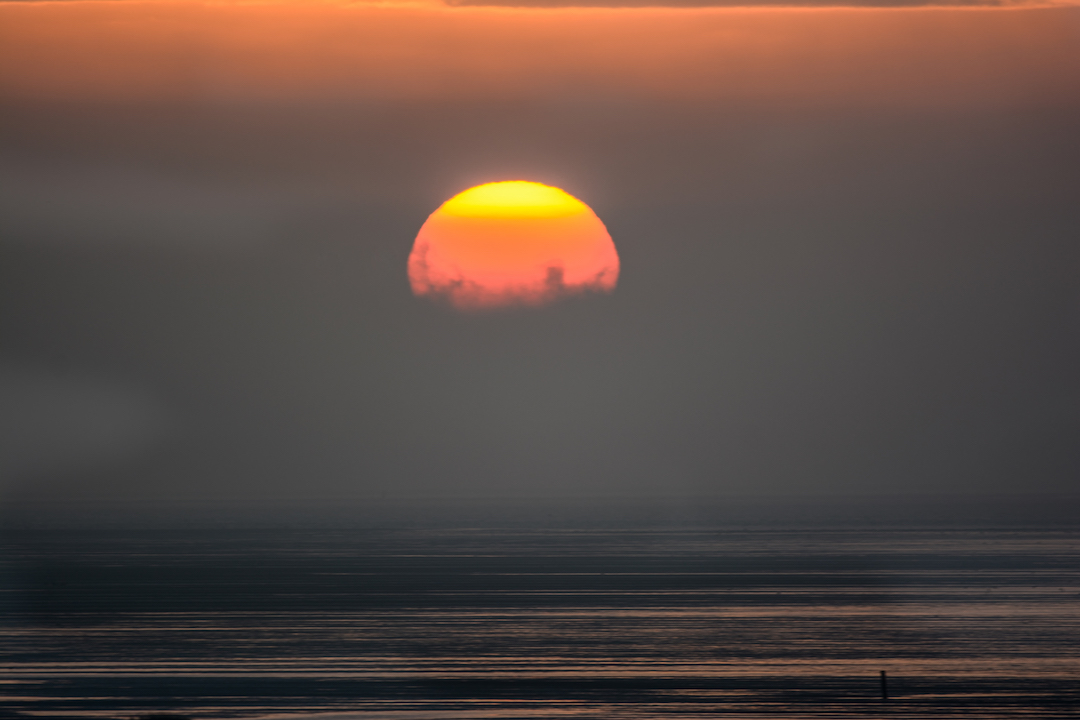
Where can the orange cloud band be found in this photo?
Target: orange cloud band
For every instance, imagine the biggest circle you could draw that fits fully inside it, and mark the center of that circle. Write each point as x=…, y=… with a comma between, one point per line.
x=296, y=52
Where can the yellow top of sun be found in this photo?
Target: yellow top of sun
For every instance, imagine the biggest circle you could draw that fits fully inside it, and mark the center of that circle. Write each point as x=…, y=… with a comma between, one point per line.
x=513, y=199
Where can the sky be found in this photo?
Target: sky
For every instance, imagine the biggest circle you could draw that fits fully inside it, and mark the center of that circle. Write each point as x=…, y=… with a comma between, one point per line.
x=847, y=239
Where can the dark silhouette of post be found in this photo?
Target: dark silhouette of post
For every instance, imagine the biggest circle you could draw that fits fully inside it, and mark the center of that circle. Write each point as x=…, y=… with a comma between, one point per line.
x=884, y=686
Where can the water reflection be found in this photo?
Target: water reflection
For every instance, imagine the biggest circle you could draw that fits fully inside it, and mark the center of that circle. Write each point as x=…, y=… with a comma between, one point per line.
x=525, y=624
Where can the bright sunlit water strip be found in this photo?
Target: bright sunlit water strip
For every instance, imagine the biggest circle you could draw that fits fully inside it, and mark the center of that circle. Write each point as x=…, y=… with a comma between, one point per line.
x=530, y=624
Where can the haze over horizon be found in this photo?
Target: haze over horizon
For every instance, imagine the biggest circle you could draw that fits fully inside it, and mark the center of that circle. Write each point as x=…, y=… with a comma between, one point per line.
x=848, y=245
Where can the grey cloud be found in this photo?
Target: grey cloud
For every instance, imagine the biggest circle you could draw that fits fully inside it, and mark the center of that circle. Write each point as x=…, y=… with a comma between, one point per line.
x=56, y=423
x=812, y=301
x=100, y=202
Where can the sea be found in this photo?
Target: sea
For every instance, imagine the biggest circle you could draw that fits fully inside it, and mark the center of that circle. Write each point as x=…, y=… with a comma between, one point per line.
x=504, y=623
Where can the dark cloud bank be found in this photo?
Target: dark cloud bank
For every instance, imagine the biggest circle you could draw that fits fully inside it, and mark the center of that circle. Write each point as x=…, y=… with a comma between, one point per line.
x=815, y=304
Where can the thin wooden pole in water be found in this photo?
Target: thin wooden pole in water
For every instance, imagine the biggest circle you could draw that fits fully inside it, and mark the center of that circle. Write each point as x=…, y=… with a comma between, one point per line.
x=884, y=686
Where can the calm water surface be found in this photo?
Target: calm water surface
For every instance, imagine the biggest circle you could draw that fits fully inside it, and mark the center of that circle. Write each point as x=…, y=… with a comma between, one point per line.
x=542, y=624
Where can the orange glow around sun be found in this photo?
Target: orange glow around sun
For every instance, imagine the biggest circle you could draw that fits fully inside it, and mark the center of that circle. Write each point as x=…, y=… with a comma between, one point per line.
x=512, y=243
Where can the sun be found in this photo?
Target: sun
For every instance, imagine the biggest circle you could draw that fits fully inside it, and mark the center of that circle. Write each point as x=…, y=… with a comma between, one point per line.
x=512, y=243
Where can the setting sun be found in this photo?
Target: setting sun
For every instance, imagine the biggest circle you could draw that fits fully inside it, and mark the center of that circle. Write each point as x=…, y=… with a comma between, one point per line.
x=510, y=243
